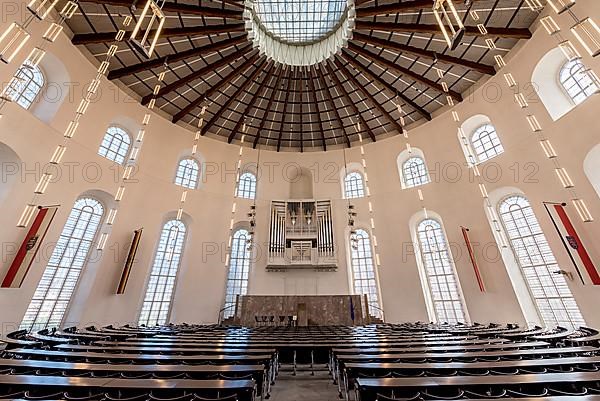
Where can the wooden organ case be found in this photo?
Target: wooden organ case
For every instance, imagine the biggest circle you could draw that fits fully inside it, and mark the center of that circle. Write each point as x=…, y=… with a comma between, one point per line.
x=301, y=236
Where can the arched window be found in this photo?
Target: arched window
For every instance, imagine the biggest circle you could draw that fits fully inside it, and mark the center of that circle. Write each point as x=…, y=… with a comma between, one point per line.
x=187, y=173
x=26, y=85
x=246, y=186
x=51, y=298
x=486, y=143
x=414, y=172
x=363, y=270
x=576, y=81
x=354, y=186
x=239, y=269
x=161, y=285
x=552, y=296
x=439, y=270
x=115, y=145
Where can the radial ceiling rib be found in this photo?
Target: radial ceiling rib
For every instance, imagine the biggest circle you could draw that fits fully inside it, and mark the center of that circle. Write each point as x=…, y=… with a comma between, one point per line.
x=234, y=97
x=311, y=86
x=388, y=44
x=368, y=73
x=197, y=74
x=104, y=37
x=210, y=91
x=283, y=114
x=404, y=71
x=394, y=8
x=251, y=103
x=512, y=33
x=368, y=95
x=180, y=8
x=263, y=120
x=325, y=89
x=349, y=100
x=171, y=58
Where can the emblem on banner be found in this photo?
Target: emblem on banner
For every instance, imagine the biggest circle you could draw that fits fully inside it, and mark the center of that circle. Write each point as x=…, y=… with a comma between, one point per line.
x=572, y=242
x=31, y=242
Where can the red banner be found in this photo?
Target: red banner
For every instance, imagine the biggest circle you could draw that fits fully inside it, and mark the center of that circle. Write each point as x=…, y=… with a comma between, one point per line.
x=473, y=260
x=31, y=244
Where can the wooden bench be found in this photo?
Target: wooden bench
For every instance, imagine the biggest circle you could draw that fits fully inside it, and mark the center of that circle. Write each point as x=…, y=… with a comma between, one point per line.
x=160, y=388
x=454, y=387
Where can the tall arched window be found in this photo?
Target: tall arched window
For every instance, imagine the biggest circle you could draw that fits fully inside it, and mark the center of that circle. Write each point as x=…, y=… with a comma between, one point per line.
x=414, y=172
x=246, y=186
x=187, y=173
x=549, y=290
x=354, y=187
x=239, y=269
x=439, y=270
x=51, y=298
x=576, y=81
x=486, y=143
x=161, y=285
x=363, y=270
x=115, y=145
x=26, y=85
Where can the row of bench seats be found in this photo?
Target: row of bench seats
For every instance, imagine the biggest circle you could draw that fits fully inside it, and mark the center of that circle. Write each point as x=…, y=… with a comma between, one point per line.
x=377, y=362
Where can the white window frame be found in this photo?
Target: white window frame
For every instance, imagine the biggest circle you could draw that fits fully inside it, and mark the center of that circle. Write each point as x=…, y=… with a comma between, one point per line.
x=552, y=297
x=246, y=187
x=185, y=176
x=115, y=144
x=160, y=288
x=486, y=143
x=51, y=299
x=240, y=258
x=445, y=293
x=363, y=270
x=354, y=185
x=409, y=179
x=573, y=71
x=28, y=80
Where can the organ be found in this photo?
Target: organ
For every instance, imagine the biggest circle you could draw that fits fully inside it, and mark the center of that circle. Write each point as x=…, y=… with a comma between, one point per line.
x=301, y=235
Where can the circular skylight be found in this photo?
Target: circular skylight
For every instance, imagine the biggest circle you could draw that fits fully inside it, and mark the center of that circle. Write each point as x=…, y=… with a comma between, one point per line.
x=300, y=21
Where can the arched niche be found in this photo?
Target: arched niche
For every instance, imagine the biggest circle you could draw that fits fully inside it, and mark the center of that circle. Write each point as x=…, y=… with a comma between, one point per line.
x=10, y=168
x=301, y=183
x=591, y=167
x=55, y=90
x=545, y=80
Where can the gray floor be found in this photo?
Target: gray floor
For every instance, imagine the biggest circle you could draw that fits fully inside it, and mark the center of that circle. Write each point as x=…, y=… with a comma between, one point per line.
x=304, y=387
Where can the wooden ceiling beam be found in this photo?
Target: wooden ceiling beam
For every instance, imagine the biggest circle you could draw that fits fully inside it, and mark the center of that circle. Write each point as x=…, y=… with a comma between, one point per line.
x=250, y=104
x=325, y=88
x=197, y=74
x=512, y=33
x=394, y=8
x=171, y=58
x=401, y=70
x=285, y=102
x=179, y=8
x=311, y=86
x=398, y=47
x=367, y=94
x=210, y=91
x=263, y=120
x=109, y=37
x=257, y=69
x=346, y=96
x=394, y=91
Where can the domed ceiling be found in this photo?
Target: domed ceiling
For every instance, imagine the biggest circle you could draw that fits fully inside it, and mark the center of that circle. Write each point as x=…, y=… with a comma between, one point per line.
x=302, y=73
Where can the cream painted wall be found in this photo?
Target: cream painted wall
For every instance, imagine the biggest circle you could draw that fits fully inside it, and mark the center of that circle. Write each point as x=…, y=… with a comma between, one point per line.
x=201, y=284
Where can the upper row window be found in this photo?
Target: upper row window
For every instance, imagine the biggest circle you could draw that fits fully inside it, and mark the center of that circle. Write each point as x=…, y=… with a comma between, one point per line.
x=486, y=143
x=26, y=85
x=578, y=84
x=115, y=145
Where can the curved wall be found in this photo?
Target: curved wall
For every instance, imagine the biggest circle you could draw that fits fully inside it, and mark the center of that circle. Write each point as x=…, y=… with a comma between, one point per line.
x=200, y=289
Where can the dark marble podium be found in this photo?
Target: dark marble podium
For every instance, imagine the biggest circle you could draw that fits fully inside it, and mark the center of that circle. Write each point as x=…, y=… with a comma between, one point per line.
x=308, y=310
